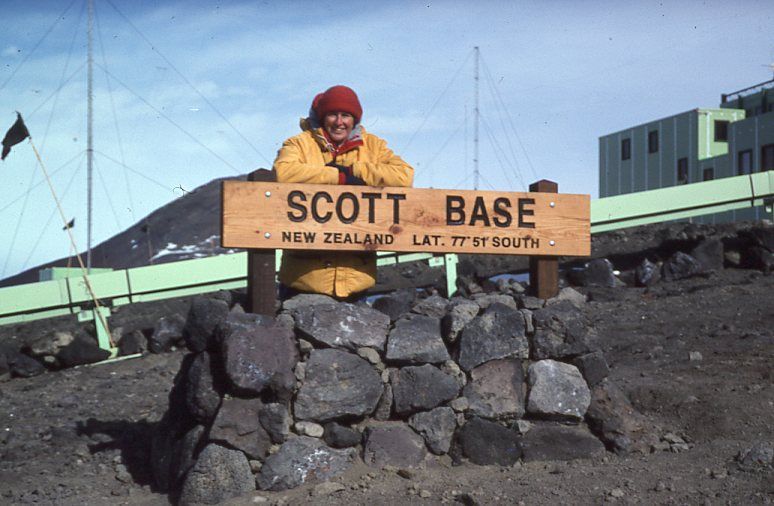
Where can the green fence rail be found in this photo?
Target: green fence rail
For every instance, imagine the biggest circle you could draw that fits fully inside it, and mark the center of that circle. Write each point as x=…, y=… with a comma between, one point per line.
x=685, y=201
x=189, y=277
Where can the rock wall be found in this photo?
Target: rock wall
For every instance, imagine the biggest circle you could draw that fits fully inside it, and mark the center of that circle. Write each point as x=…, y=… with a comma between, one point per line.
x=493, y=378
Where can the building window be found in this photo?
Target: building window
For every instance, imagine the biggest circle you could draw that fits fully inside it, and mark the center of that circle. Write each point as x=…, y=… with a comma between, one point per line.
x=682, y=171
x=744, y=162
x=653, y=141
x=708, y=174
x=767, y=157
x=626, y=149
x=721, y=131
x=770, y=107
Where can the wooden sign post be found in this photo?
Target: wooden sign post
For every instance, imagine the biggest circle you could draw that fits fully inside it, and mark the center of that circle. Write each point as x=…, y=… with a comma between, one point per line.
x=261, y=266
x=266, y=216
x=544, y=271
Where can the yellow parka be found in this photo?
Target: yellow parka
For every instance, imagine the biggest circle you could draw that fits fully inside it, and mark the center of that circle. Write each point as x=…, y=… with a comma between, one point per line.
x=303, y=159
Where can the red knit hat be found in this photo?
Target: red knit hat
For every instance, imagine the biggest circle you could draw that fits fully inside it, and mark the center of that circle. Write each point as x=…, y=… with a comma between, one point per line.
x=337, y=99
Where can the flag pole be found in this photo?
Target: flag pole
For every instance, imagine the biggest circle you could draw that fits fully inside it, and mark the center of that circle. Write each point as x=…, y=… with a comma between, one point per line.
x=84, y=271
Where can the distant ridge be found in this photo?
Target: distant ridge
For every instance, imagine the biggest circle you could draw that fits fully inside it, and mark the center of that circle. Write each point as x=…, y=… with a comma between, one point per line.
x=188, y=227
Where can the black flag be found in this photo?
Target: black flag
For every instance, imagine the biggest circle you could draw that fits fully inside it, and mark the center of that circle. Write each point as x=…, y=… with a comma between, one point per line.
x=70, y=224
x=17, y=133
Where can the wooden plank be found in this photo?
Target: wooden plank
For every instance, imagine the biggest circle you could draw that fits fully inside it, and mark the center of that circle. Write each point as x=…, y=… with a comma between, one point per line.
x=261, y=289
x=358, y=218
x=544, y=270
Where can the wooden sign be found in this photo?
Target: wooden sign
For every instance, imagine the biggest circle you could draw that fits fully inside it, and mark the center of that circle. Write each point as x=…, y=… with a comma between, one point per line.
x=363, y=218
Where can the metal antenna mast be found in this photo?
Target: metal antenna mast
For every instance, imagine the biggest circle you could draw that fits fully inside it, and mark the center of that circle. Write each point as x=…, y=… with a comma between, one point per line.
x=89, y=128
x=475, y=129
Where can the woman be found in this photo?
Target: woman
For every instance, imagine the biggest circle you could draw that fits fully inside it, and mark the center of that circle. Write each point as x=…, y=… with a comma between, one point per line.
x=334, y=148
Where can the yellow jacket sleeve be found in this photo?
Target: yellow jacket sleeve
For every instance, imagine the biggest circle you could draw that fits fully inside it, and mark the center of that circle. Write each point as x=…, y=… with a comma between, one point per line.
x=298, y=163
x=386, y=169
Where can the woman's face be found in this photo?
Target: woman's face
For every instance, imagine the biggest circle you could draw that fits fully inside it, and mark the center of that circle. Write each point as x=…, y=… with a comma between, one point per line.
x=338, y=125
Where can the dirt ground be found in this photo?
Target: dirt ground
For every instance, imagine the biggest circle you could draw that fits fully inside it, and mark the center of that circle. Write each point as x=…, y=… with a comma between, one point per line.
x=81, y=436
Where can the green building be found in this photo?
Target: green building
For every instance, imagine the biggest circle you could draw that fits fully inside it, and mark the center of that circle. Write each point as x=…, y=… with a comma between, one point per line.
x=697, y=145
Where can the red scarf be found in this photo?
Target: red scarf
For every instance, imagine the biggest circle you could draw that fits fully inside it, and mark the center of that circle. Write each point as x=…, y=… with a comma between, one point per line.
x=354, y=140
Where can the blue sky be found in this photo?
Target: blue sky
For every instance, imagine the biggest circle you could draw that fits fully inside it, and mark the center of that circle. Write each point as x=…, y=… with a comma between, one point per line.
x=190, y=91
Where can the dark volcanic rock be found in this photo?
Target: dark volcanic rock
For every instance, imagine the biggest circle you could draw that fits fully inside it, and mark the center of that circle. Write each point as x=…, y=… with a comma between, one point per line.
x=496, y=389
x=275, y=419
x=185, y=451
x=709, y=254
x=437, y=427
x=168, y=435
x=597, y=272
x=219, y=474
x=593, y=367
x=384, y=408
x=498, y=333
x=5, y=369
x=467, y=285
x=47, y=347
x=484, y=300
x=393, y=444
x=614, y=420
x=646, y=273
x=201, y=396
x=433, y=306
x=205, y=314
x=306, y=300
x=561, y=331
x=238, y=425
x=132, y=343
x=303, y=460
x=460, y=314
x=680, y=266
x=337, y=384
x=421, y=388
x=396, y=304
x=343, y=325
x=759, y=258
x=416, y=339
x=560, y=442
x=258, y=357
x=237, y=320
x=487, y=443
x=557, y=390
x=167, y=331
x=760, y=236
x=758, y=457
x=21, y=365
x=339, y=436
x=80, y=352
x=569, y=294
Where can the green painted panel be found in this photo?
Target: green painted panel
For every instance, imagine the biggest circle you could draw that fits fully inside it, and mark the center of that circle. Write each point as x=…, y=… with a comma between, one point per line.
x=106, y=285
x=192, y=290
x=668, y=216
x=669, y=199
x=33, y=296
x=199, y=271
x=451, y=272
x=707, y=145
x=66, y=272
x=763, y=184
x=28, y=317
x=680, y=202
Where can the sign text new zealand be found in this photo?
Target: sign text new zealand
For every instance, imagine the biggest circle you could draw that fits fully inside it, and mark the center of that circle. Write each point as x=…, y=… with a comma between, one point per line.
x=362, y=218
